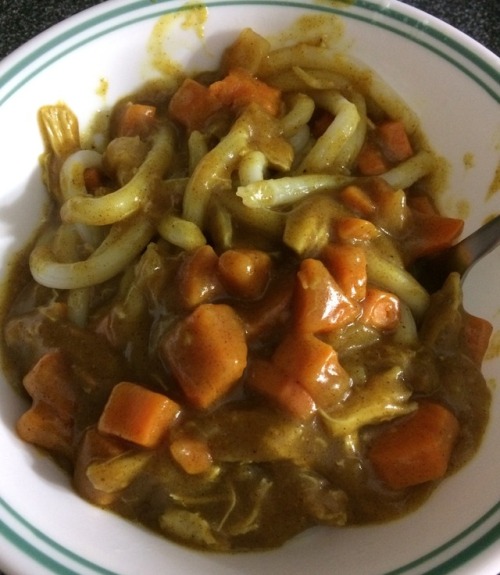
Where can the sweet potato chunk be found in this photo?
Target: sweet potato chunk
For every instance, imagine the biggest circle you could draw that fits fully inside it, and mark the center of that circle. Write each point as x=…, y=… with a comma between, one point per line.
x=319, y=303
x=207, y=352
x=245, y=273
x=314, y=364
x=137, y=414
x=416, y=449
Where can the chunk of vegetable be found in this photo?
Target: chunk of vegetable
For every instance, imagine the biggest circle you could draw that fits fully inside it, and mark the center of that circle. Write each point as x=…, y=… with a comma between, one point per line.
x=49, y=421
x=432, y=233
x=281, y=388
x=42, y=425
x=95, y=448
x=371, y=160
x=123, y=157
x=416, y=449
x=198, y=277
x=230, y=434
x=316, y=367
x=137, y=414
x=247, y=51
x=394, y=140
x=207, y=353
x=136, y=120
x=358, y=200
x=389, y=144
x=356, y=229
x=382, y=398
x=476, y=336
x=190, y=526
x=347, y=264
x=380, y=309
x=49, y=380
x=192, y=104
x=117, y=473
x=240, y=88
x=192, y=454
x=245, y=273
x=319, y=303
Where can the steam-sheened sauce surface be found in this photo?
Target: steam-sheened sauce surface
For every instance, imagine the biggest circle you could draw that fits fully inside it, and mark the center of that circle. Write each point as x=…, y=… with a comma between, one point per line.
x=254, y=364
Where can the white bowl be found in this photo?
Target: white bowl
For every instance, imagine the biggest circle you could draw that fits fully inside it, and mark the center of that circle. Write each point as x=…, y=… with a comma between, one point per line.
x=450, y=81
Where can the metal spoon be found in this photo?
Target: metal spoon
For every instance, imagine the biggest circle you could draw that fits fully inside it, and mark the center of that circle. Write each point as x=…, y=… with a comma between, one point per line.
x=431, y=272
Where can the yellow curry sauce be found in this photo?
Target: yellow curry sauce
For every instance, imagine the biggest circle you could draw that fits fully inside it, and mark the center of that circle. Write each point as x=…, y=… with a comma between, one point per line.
x=228, y=383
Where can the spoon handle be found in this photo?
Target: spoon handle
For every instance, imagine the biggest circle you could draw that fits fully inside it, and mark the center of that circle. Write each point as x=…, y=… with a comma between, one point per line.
x=478, y=244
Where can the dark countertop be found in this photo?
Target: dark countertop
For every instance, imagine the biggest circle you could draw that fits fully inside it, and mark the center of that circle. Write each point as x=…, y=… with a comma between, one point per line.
x=20, y=20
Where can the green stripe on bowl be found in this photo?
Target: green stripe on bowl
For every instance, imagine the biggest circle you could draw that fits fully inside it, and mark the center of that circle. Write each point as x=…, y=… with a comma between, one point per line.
x=31, y=550
x=413, y=24
x=462, y=556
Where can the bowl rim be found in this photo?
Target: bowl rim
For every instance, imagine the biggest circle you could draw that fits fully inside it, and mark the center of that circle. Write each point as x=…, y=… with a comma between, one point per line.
x=30, y=59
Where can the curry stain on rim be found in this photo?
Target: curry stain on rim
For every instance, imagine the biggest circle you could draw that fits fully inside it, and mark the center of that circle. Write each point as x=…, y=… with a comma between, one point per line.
x=339, y=7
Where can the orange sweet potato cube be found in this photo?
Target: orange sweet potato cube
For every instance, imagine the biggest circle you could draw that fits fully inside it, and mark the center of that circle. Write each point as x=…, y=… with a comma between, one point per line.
x=137, y=414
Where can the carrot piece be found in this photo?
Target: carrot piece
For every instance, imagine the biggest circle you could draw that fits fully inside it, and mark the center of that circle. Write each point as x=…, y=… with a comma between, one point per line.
x=192, y=104
x=93, y=179
x=476, y=334
x=94, y=447
x=394, y=141
x=316, y=367
x=137, y=414
x=319, y=303
x=207, y=353
x=245, y=273
x=417, y=448
x=198, y=277
x=281, y=388
x=50, y=381
x=136, y=120
x=239, y=89
x=43, y=425
x=389, y=144
x=358, y=200
x=356, y=229
x=347, y=264
x=49, y=421
x=432, y=233
x=371, y=161
x=192, y=454
x=380, y=309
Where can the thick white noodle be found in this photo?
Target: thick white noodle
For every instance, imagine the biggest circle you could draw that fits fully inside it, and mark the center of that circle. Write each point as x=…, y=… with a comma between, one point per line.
x=181, y=233
x=71, y=176
x=124, y=243
x=321, y=158
x=72, y=183
x=407, y=173
x=214, y=168
x=395, y=279
x=252, y=167
x=118, y=205
x=301, y=111
x=280, y=191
